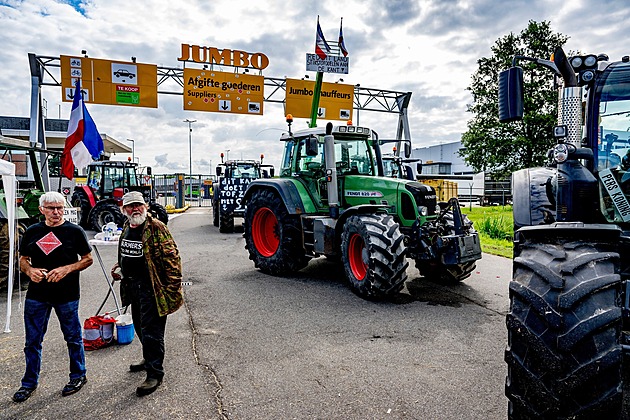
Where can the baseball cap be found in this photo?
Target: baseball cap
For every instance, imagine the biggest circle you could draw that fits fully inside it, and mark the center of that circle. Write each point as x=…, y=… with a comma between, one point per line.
x=133, y=197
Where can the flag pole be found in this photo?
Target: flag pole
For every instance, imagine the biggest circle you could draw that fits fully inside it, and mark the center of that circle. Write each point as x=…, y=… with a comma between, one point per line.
x=316, y=93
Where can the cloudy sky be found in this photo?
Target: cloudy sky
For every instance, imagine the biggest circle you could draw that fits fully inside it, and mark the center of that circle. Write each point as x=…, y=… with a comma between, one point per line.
x=428, y=47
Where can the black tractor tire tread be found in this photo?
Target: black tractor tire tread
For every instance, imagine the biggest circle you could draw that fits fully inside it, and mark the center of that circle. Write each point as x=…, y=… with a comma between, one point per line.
x=215, y=215
x=387, y=266
x=290, y=255
x=226, y=221
x=564, y=354
x=80, y=199
x=159, y=212
x=99, y=214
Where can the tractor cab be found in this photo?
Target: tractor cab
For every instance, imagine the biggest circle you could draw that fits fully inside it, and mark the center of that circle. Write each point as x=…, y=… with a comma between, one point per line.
x=111, y=179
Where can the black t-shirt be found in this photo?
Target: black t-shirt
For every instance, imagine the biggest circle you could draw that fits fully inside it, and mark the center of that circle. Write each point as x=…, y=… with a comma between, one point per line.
x=133, y=263
x=52, y=247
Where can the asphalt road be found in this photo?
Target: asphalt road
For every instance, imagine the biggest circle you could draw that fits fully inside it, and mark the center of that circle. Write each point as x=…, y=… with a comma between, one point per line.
x=252, y=346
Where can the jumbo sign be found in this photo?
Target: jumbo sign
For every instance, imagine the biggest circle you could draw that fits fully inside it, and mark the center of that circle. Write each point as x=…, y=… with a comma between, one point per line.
x=235, y=58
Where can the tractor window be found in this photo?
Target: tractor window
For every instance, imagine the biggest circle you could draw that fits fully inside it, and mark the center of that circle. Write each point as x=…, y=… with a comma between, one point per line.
x=114, y=178
x=245, y=171
x=287, y=157
x=314, y=166
x=614, y=118
x=353, y=158
x=132, y=179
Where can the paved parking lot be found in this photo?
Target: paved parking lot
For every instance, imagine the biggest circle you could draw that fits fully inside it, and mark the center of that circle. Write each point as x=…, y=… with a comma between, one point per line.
x=252, y=346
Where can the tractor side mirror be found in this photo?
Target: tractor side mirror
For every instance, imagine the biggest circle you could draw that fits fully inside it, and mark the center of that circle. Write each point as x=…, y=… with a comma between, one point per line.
x=419, y=168
x=312, y=148
x=272, y=171
x=219, y=171
x=149, y=170
x=407, y=149
x=511, y=94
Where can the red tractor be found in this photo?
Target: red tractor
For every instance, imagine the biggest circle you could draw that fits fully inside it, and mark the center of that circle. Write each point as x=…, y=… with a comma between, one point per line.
x=100, y=199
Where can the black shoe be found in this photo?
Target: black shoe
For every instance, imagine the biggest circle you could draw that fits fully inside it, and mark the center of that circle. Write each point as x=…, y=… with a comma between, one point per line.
x=137, y=367
x=148, y=386
x=22, y=394
x=74, y=386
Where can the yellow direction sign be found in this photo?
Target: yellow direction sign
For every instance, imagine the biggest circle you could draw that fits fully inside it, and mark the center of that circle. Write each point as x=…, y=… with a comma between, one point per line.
x=109, y=82
x=215, y=91
x=335, y=100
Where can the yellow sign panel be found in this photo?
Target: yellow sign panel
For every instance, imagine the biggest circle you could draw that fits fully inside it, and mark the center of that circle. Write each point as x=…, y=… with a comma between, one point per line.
x=215, y=91
x=109, y=82
x=335, y=100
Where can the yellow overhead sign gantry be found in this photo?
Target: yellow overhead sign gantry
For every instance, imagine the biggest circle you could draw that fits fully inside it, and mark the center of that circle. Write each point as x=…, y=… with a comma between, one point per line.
x=109, y=82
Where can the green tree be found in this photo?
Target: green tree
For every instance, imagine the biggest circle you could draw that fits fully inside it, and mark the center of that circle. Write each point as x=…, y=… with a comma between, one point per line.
x=497, y=148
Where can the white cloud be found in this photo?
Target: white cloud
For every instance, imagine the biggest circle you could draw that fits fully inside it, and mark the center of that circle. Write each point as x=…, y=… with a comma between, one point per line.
x=429, y=48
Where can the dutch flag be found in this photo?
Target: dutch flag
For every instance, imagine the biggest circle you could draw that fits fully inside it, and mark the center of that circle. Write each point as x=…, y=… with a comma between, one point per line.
x=321, y=46
x=83, y=142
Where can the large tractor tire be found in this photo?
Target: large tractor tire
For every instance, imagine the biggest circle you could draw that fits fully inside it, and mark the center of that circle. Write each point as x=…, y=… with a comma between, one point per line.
x=564, y=354
x=373, y=255
x=104, y=213
x=272, y=235
x=448, y=274
x=80, y=199
x=226, y=221
x=215, y=214
x=159, y=212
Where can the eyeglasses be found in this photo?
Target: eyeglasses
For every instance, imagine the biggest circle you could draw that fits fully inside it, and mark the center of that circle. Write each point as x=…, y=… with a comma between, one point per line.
x=53, y=209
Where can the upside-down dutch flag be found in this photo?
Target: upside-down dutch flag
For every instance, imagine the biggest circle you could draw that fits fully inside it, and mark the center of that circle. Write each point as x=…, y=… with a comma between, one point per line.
x=83, y=142
x=321, y=46
x=342, y=45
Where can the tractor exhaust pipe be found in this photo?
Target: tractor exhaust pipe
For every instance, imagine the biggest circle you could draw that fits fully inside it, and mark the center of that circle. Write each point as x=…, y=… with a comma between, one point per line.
x=331, y=172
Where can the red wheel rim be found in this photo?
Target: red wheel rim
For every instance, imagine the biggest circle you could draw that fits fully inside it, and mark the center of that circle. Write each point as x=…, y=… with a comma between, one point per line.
x=264, y=232
x=355, y=257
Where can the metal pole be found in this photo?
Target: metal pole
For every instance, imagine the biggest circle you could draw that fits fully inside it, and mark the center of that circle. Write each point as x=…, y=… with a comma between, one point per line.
x=133, y=149
x=190, y=151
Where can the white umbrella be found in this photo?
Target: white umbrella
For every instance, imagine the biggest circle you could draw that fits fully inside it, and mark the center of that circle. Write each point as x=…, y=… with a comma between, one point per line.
x=7, y=170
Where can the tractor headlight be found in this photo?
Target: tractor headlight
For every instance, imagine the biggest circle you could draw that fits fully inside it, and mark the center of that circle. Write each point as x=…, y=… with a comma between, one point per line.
x=423, y=211
x=576, y=62
x=438, y=209
x=560, y=152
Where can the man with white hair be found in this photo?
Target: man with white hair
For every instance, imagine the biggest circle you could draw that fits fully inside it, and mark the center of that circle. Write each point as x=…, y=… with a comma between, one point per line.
x=52, y=254
x=151, y=282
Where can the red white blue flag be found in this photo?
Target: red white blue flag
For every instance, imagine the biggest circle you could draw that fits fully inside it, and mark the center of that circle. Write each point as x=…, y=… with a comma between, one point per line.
x=83, y=142
x=321, y=46
x=342, y=45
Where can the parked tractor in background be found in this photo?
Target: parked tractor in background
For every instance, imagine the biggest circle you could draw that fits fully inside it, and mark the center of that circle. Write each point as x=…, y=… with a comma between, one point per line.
x=100, y=199
x=332, y=199
x=569, y=297
x=233, y=178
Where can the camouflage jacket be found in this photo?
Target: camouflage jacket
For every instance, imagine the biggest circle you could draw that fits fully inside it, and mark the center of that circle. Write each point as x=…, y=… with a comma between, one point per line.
x=164, y=265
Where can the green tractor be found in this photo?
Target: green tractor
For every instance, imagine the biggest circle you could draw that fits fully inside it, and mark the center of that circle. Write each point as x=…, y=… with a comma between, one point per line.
x=331, y=199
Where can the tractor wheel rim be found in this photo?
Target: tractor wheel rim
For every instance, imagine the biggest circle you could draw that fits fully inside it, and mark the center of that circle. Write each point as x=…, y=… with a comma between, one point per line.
x=264, y=227
x=355, y=257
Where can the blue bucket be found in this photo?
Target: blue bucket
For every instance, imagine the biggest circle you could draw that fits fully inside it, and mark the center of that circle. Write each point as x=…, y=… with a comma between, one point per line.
x=124, y=333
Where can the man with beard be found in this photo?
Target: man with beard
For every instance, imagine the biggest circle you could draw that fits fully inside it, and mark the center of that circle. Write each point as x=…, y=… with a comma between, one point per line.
x=151, y=270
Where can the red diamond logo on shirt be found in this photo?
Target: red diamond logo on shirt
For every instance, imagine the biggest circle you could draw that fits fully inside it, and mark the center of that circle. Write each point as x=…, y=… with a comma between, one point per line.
x=48, y=243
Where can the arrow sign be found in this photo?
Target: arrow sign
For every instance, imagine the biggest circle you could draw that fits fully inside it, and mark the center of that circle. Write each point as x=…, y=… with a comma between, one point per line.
x=225, y=105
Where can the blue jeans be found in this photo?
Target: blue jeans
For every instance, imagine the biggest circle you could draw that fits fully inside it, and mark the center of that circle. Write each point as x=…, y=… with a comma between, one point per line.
x=36, y=316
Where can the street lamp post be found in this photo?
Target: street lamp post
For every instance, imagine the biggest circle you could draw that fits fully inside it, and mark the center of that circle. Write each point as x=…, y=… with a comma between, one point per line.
x=133, y=149
x=190, y=151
